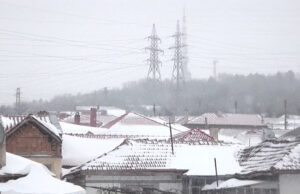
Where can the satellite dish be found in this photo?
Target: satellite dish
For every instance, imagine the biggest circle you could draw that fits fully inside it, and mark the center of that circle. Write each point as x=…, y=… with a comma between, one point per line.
x=2, y=134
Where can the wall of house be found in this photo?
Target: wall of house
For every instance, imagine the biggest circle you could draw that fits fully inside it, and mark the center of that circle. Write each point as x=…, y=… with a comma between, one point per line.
x=2, y=154
x=289, y=184
x=166, y=182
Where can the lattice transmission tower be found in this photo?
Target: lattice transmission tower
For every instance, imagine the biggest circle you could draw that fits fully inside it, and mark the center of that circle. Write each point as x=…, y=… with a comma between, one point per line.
x=153, y=60
x=178, y=68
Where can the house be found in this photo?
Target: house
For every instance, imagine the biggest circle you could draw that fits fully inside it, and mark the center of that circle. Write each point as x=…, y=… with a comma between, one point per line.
x=214, y=122
x=149, y=164
x=93, y=118
x=270, y=167
x=293, y=122
x=37, y=138
x=137, y=125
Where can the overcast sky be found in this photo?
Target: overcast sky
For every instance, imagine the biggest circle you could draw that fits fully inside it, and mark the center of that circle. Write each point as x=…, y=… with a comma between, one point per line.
x=51, y=47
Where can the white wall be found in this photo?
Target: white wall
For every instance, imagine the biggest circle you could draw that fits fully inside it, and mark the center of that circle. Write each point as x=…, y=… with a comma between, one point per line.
x=289, y=183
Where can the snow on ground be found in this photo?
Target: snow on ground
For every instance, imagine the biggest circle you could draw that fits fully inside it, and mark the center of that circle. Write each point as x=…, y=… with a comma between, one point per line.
x=38, y=179
x=78, y=150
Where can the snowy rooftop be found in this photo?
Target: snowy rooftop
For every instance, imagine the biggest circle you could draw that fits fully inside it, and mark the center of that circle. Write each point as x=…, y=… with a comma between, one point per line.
x=136, y=124
x=85, y=119
x=34, y=173
x=45, y=122
x=228, y=119
x=197, y=158
x=78, y=150
x=271, y=156
x=129, y=125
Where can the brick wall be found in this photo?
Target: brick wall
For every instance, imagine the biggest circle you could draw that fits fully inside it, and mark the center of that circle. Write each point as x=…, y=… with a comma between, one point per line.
x=29, y=140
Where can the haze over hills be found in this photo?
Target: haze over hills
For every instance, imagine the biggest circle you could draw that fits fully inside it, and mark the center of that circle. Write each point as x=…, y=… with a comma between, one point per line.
x=254, y=93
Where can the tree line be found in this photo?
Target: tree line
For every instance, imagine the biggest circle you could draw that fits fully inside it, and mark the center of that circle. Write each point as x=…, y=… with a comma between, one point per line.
x=253, y=93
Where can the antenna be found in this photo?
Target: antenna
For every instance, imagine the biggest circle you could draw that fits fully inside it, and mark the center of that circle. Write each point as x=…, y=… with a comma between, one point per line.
x=215, y=69
x=153, y=60
x=18, y=100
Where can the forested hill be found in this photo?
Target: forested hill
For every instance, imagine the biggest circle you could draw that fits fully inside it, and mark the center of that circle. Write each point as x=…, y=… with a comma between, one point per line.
x=253, y=93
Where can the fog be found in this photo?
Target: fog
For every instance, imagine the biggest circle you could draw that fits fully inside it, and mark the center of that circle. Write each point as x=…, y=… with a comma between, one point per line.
x=54, y=47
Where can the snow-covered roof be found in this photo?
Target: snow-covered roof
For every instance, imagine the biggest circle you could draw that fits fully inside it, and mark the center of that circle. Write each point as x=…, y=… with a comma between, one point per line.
x=292, y=134
x=271, y=156
x=85, y=119
x=139, y=125
x=231, y=183
x=78, y=150
x=44, y=122
x=197, y=158
x=37, y=180
x=228, y=119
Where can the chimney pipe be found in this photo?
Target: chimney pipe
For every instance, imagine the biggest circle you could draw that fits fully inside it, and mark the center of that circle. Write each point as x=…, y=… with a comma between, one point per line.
x=93, y=117
x=77, y=118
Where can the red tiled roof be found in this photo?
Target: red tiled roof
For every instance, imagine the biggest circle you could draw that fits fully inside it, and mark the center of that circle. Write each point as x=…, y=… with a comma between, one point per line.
x=193, y=135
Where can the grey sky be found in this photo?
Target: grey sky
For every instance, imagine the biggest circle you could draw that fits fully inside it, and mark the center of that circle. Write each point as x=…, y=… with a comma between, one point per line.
x=53, y=47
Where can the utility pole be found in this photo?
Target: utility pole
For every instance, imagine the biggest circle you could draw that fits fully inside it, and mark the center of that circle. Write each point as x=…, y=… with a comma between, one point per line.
x=18, y=100
x=285, y=115
x=171, y=136
x=235, y=106
x=215, y=69
x=186, y=72
x=153, y=60
x=178, y=70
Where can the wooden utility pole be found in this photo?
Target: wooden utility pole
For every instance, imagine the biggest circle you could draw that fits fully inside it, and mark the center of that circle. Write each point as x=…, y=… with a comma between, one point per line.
x=171, y=136
x=216, y=170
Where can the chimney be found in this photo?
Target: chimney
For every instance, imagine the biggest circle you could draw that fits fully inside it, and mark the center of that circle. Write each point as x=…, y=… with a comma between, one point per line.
x=93, y=117
x=77, y=118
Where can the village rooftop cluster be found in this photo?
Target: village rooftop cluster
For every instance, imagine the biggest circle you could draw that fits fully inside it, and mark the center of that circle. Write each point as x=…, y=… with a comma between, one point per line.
x=108, y=150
